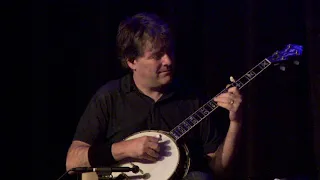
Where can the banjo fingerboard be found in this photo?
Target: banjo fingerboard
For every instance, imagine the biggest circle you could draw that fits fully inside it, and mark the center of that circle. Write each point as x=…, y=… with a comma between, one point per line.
x=210, y=106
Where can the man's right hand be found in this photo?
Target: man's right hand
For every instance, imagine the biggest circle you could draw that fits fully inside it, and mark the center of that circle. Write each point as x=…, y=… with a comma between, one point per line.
x=145, y=148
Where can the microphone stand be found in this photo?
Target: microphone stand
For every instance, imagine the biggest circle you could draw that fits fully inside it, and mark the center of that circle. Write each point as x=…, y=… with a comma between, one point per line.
x=106, y=172
x=106, y=175
x=103, y=176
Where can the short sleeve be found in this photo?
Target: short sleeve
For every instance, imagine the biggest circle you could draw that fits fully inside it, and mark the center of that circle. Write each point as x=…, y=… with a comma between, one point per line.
x=213, y=130
x=92, y=124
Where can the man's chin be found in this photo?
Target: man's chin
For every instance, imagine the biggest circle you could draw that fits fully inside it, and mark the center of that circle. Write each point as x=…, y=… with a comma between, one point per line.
x=166, y=80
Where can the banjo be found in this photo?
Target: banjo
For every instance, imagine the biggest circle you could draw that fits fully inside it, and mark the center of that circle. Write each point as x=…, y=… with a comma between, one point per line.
x=175, y=162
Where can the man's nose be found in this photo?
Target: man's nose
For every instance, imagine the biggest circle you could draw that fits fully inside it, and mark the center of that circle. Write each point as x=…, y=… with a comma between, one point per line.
x=166, y=60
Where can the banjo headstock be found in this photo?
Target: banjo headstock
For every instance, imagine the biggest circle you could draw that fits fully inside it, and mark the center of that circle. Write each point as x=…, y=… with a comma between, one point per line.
x=284, y=55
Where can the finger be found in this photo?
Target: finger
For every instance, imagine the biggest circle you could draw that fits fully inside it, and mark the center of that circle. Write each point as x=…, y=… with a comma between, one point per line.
x=223, y=96
x=222, y=99
x=232, y=102
x=227, y=86
x=231, y=107
x=228, y=97
x=234, y=90
x=232, y=79
x=152, y=153
x=154, y=146
x=227, y=106
x=153, y=139
x=148, y=157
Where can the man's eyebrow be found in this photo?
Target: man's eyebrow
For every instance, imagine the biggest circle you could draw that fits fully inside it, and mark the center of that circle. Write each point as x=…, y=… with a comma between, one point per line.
x=154, y=53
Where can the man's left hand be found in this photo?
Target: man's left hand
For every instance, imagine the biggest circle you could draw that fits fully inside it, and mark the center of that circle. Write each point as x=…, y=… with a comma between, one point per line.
x=232, y=101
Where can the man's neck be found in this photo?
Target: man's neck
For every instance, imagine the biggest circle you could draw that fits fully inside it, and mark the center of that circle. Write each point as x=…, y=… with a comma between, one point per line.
x=153, y=93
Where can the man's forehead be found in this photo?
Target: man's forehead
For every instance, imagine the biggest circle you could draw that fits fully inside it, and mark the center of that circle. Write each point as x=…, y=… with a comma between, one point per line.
x=154, y=47
x=151, y=47
x=148, y=52
x=148, y=49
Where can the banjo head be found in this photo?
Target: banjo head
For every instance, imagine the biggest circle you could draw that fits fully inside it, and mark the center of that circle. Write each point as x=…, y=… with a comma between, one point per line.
x=173, y=161
x=167, y=164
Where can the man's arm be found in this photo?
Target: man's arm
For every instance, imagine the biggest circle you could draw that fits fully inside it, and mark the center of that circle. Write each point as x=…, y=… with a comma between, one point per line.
x=77, y=155
x=221, y=160
x=143, y=148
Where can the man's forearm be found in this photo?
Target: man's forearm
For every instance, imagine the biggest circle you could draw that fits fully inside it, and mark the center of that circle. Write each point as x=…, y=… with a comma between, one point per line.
x=226, y=151
x=77, y=156
x=118, y=150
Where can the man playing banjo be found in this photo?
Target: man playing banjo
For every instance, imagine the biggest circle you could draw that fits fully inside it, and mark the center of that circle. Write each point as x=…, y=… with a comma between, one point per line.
x=150, y=98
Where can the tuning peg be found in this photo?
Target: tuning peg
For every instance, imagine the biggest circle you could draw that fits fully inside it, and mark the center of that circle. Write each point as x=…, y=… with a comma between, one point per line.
x=282, y=68
x=296, y=62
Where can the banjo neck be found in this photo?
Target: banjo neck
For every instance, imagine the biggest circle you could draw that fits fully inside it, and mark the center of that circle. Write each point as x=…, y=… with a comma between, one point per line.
x=276, y=58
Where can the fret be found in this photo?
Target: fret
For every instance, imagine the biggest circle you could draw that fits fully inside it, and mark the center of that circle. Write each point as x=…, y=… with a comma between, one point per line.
x=199, y=113
x=248, y=78
x=251, y=74
x=208, y=107
x=175, y=134
x=185, y=128
x=244, y=81
x=238, y=84
x=196, y=116
x=257, y=69
x=212, y=104
x=265, y=63
x=204, y=111
x=192, y=120
x=260, y=66
x=177, y=131
x=186, y=125
x=181, y=129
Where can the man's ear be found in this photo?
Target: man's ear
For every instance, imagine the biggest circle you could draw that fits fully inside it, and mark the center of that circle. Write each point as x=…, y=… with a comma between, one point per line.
x=131, y=64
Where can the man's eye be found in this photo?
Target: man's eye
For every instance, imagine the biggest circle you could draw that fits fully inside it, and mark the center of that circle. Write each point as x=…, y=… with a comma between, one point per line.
x=155, y=57
x=158, y=56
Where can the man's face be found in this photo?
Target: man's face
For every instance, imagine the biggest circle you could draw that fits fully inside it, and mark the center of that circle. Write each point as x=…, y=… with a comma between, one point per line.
x=153, y=69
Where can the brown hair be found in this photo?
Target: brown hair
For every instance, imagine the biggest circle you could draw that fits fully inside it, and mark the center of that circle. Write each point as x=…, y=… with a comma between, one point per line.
x=139, y=32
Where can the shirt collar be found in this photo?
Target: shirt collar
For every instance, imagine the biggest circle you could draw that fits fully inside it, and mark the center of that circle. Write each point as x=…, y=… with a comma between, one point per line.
x=128, y=85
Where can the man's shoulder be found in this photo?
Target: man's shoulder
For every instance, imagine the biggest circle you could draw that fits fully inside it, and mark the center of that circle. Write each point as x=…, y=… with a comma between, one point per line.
x=111, y=86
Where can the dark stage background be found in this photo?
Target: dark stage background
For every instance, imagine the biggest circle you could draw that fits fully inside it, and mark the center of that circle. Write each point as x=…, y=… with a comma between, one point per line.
x=214, y=39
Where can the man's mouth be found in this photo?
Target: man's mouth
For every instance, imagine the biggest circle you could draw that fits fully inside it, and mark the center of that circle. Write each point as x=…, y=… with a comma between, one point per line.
x=165, y=71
